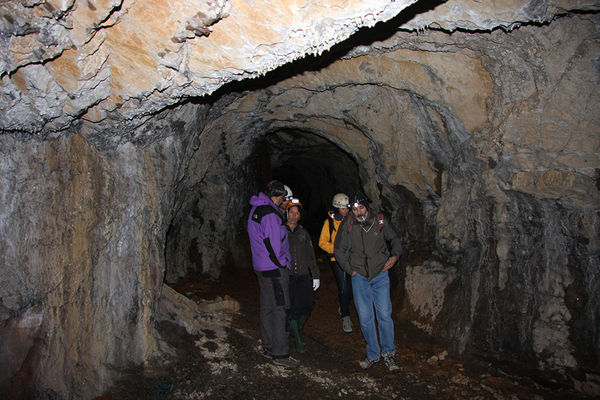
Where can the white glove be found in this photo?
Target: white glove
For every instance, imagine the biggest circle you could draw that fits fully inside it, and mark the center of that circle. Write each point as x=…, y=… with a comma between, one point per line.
x=316, y=284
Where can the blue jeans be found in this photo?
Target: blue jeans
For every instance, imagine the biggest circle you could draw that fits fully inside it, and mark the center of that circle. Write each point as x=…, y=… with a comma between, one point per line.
x=369, y=294
x=344, y=284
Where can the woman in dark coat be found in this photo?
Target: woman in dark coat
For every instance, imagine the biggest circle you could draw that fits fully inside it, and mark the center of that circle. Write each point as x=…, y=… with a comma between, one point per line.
x=304, y=272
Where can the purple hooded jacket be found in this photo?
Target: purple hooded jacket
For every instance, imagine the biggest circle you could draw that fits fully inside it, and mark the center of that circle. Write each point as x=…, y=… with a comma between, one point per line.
x=268, y=240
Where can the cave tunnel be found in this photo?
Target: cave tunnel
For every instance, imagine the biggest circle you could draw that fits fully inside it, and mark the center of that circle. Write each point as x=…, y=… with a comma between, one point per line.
x=349, y=125
x=124, y=170
x=309, y=154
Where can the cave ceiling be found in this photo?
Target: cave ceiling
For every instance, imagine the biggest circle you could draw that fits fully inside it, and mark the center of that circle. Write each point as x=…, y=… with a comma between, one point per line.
x=105, y=68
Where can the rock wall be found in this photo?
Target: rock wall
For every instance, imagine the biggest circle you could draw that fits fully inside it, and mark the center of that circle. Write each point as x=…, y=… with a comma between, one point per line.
x=526, y=229
x=206, y=233
x=482, y=146
x=82, y=255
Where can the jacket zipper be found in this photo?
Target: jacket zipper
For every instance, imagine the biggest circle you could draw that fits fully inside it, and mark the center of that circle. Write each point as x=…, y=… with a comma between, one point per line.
x=362, y=238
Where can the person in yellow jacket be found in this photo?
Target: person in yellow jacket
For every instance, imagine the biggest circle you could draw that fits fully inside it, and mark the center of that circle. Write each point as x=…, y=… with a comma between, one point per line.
x=326, y=241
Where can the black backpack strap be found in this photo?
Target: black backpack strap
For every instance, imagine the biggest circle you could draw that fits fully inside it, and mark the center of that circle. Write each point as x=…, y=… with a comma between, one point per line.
x=331, y=227
x=263, y=210
x=348, y=234
x=257, y=217
x=272, y=255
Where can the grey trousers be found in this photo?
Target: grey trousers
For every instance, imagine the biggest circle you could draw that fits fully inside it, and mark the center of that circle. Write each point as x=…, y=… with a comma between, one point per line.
x=274, y=309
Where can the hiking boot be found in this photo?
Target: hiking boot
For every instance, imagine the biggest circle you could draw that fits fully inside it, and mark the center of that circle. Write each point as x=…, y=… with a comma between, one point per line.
x=267, y=354
x=287, y=362
x=346, y=324
x=390, y=363
x=367, y=363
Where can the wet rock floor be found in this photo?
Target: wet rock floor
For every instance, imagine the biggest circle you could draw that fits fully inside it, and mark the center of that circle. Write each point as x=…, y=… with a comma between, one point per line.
x=329, y=366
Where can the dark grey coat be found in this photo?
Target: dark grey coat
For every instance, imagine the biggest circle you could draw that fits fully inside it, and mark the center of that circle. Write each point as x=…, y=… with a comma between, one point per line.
x=302, y=253
x=366, y=247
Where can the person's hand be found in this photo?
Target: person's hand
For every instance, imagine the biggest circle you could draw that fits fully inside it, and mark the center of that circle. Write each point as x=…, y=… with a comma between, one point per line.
x=353, y=273
x=390, y=263
x=316, y=284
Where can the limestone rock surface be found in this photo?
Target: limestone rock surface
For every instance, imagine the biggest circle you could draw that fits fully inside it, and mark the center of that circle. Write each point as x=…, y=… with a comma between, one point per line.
x=114, y=64
x=127, y=155
x=66, y=61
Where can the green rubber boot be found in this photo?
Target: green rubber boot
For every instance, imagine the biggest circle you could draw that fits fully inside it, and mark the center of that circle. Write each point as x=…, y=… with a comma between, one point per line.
x=301, y=322
x=298, y=341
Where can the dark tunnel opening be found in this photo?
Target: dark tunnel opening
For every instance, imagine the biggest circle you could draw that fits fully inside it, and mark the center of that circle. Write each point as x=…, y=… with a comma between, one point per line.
x=314, y=168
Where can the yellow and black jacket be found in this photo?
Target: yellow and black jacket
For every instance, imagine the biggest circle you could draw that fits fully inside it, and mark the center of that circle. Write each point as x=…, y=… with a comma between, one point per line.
x=328, y=232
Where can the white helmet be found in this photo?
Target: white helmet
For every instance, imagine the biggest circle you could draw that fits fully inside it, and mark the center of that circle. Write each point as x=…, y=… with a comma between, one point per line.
x=340, y=200
x=288, y=193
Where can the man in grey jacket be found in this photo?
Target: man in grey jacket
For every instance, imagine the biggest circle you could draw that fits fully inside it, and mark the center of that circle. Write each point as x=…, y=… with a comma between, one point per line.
x=366, y=247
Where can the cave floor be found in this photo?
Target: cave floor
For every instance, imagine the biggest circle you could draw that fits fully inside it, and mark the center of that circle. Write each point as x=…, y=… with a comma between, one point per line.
x=329, y=366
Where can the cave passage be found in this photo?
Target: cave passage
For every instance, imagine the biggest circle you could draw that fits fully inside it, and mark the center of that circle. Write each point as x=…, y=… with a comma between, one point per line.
x=488, y=236
x=314, y=168
x=133, y=138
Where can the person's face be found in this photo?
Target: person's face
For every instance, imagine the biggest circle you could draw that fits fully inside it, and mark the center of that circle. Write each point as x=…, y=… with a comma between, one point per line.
x=278, y=200
x=360, y=212
x=293, y=215
x=344, y=211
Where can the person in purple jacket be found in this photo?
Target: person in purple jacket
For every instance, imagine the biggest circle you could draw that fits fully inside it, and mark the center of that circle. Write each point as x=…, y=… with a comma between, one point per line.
x=271, y=261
